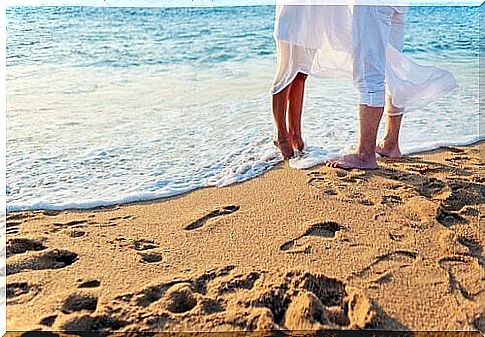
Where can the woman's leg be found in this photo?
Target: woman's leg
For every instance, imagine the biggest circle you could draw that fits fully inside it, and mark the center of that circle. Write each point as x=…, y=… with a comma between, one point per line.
x=279, y=107
x=295, y=109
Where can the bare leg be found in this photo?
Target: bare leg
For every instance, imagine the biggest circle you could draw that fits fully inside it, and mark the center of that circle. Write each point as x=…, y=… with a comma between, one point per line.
x=282, y=140
x=365, y=157
x=389, y=145
x=295, y=109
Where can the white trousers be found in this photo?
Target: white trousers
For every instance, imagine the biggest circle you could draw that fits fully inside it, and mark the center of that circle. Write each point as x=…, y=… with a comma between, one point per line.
x=363, y=43
x=373, y=28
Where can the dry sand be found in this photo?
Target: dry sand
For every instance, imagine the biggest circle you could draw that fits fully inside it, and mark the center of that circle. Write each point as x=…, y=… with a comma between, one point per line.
x=396, y=248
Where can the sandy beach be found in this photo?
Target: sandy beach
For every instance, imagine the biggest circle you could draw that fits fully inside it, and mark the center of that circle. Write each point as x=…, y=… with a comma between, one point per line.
x=398, y=248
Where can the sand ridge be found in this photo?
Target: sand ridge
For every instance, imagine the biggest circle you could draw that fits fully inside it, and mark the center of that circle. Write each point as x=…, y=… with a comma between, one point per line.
x=397, y=248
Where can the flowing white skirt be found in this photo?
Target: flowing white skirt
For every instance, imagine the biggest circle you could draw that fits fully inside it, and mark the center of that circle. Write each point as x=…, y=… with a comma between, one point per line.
x=332, y=41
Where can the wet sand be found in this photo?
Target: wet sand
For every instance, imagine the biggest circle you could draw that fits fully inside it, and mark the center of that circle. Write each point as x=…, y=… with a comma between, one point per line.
x=398, y=248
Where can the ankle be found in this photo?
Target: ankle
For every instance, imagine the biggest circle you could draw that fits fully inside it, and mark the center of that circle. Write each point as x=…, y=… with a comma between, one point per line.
x=296, y=141
x=389, y=143
x=366, y=155
x=282, y=135
x=294, y=134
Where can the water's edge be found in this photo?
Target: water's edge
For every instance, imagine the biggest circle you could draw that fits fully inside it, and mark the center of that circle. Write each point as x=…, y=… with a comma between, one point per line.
x=130, y=200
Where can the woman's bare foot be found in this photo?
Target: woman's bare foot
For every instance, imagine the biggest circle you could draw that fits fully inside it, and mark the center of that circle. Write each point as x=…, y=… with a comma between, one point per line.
x=354, y=161
x=297, y=143
x=284, y=144
x=388, y=151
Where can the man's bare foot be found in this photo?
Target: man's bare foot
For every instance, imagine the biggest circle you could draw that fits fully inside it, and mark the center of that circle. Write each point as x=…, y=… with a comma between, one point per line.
x=354, y=161
x=284, y=144
x=384, y=150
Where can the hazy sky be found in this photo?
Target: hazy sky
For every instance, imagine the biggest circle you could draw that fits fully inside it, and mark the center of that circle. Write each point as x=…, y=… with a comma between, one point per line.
x=210, y=3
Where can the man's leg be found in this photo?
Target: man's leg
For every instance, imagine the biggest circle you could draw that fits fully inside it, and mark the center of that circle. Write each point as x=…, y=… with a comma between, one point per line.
x=389, y=145
x=295, y=109
x=371, y=29
x=364, y=158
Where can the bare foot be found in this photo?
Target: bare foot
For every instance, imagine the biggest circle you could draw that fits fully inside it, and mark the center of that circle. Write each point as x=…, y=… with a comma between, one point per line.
x=354, y=161
x=284, y=144
x=297, y=143
x=387, y=151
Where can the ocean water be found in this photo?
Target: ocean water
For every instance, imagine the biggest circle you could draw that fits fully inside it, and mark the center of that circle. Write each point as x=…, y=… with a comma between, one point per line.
x=109, y=105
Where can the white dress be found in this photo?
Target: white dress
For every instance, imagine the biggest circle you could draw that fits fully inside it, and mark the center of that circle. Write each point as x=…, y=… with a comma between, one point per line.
x=363, y=43
x=313, y=40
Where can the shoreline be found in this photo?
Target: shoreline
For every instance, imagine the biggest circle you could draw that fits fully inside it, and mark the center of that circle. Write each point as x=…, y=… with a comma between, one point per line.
x=478, y=141
x=400, y=248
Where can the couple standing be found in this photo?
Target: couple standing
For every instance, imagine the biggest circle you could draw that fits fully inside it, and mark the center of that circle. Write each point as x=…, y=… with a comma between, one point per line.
x=364, y=43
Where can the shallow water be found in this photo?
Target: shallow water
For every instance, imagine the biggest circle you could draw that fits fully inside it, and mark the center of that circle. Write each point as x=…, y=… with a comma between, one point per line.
x=108, y=105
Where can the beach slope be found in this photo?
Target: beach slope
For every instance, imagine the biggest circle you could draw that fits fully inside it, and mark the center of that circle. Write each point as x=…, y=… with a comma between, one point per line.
x=397, y=248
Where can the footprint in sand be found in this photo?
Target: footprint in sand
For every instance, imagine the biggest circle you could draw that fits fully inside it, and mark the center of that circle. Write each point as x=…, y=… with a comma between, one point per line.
x=214, y=214
x=464, y=276
x=464, y=193
x=22, y=245
x=470, y=211
x=180, y=298
x=77, y=234
x=425, y=186
x=79, y=302
x=448, y=218
x=94, y=323
x=89, y=284
x=462, y=243
x=322, y=183
x=474, y=248
x=303, y=301
x=210, y=306
x=148, y=296
x=344, y=178
x=340, y=184
x=291, y=300
x=21, y=292
x=53, y=259
x=380, y=270
x=465, y=267
x=141, y=245
x=151, y=257
x=326, y=230
x=238, y=282
x=48, y=320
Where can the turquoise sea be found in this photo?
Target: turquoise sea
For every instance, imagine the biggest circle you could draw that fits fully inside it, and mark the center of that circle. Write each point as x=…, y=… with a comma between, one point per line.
x=108, y=105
